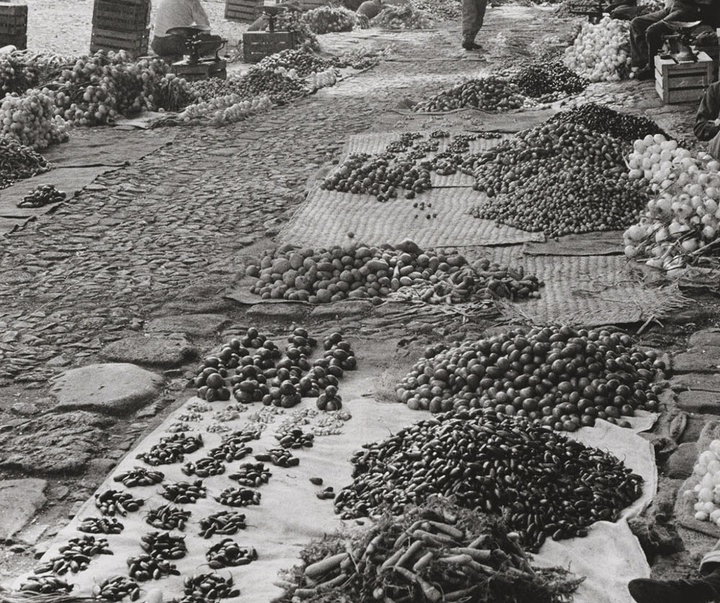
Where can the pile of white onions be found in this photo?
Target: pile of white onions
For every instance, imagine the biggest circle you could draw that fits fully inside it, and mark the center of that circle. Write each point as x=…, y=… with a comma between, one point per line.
x=601, y=51
x=321, y=79
x=684, y=215
x=707, y=492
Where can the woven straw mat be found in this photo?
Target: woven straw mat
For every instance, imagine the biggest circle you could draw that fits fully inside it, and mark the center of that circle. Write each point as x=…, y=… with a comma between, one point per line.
x=589, y=291
x=331, y=218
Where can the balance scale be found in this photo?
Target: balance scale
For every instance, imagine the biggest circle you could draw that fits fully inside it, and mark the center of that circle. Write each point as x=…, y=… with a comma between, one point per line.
x=200, y=60
x=677, y=46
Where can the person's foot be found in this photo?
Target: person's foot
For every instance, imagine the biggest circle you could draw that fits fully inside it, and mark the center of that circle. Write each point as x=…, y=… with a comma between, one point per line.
x=643, y=73
x=471, y=46
x=646, y=590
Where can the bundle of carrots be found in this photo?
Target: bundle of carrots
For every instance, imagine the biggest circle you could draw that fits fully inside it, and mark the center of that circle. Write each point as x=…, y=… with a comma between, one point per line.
x=435, y=553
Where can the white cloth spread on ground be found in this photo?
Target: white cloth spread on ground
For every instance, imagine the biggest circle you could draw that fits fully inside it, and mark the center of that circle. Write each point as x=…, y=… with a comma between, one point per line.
x=290, y=514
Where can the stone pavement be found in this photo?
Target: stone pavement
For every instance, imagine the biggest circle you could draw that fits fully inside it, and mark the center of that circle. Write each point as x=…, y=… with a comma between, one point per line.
x=133, y=271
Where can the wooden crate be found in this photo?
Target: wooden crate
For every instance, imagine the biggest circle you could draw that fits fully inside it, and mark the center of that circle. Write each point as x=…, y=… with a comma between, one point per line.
x=121, y=15
x=13, y=25
x=683, y=82
x=135, y=42
x=244, y=11
x=260, y=44
x=202, y=71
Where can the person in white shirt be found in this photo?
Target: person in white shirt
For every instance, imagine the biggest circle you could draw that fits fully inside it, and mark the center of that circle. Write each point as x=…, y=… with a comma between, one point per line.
x=176, y=13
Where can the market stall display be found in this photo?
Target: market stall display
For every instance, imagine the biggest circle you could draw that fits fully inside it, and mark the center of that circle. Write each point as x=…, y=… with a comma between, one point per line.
x=402, y=272
x=559, y=178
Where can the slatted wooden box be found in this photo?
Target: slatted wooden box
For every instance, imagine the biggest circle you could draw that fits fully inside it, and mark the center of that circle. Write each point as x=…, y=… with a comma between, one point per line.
x=13, y=25
x=683, y=82
x=260, y=44
x=244, y=11
x=121, y=15
x=135, y=42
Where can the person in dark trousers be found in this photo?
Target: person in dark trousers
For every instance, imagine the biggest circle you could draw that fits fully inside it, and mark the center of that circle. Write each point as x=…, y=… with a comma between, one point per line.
x=707, y=119
x=473, y=15
x=699, y=590
x=647, y=31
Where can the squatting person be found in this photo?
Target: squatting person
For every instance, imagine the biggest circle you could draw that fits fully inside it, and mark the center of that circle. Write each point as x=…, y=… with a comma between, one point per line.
x=176, y=13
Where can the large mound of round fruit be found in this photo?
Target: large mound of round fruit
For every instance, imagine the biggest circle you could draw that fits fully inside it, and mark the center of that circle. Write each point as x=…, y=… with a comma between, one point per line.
x=558, y=178
x=559, y=377
x=254, y=369
x=362, y=272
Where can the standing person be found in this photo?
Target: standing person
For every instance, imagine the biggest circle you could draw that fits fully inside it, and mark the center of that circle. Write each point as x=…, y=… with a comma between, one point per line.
x=176, y=13
x=707, y=120
x=473, y=14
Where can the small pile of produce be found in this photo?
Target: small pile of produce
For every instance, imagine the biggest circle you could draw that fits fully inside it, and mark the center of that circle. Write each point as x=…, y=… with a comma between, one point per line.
x=300, y=60
x=541, y=482
x=601, y=118
x=493, y=93
x=229, y=108
x=280, y=88
x=42, y=195
x=436, y=552
x=404, y=16
x=323, y=79
x=329, y=19
x=707, y=491
x=447, y=10
x=558, y=178
x=557, y=377
x=681, y=222
x=379, y=175
x=31, y=119
x=22, y=70
x=357, y=272
x=548, y=80
x=601, y=51
x=269, y=376
x=18, y=161
x=289, y=20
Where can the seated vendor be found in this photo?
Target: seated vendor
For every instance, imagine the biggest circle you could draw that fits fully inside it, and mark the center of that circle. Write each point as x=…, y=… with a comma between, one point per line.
x=707, y=120
x=176, y=13
x=647, y=31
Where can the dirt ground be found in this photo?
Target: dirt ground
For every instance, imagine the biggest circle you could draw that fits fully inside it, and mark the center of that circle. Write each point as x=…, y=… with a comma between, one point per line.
x=178, y=226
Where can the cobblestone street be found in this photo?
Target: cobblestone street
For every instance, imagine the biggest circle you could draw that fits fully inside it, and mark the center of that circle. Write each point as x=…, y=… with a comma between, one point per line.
x=137, y=269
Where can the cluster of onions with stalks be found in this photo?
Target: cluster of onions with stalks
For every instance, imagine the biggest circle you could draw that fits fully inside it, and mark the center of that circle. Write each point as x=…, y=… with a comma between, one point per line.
x=681, y=222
